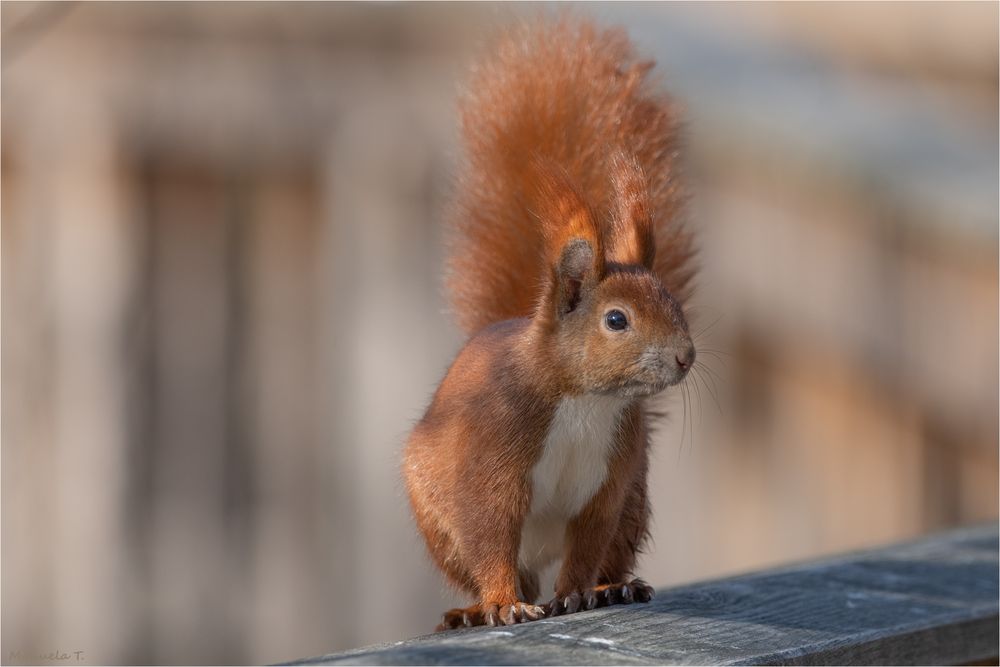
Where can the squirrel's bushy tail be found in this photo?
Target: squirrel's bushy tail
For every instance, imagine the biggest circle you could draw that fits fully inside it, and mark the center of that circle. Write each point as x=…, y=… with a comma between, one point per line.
x=557, y=91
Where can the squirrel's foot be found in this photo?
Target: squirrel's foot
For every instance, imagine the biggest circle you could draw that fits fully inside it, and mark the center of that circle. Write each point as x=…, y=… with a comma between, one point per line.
x=604, y=595
x=509, y=614
x=467, y=617
x=490, y=614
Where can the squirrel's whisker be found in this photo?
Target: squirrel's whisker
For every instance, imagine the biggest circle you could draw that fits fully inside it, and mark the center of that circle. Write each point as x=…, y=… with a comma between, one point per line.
x=712, y=373
x=697, y=390
x=700, y=368
x=706, y=329
x=714, y=351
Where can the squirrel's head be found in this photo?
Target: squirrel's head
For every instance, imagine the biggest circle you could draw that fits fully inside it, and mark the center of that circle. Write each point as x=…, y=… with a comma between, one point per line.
x=612, y=326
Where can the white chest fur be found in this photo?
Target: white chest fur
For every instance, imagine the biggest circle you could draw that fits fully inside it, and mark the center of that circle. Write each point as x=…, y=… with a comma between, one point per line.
x=572, y=467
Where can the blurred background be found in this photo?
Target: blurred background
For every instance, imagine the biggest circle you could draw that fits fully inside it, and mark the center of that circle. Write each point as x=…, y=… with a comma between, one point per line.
x=222, y=305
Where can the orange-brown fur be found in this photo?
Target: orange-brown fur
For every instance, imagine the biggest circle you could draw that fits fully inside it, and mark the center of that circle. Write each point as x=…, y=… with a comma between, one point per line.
x=568, y=92
x=566, y=210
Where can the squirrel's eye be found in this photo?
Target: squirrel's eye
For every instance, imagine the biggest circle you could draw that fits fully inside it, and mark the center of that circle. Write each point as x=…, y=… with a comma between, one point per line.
x=616, y=320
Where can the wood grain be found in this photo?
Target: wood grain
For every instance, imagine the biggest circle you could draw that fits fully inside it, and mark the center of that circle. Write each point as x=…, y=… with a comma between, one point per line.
x=933, y=601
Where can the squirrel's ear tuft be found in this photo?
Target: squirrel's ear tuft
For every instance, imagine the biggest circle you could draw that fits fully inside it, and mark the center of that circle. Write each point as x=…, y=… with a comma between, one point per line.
x=574, y=243
x=631, y=240
x=574, y=272
x=566, y=216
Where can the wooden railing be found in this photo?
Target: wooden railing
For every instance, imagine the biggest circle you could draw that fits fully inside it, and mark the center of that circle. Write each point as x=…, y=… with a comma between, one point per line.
x=932, y=601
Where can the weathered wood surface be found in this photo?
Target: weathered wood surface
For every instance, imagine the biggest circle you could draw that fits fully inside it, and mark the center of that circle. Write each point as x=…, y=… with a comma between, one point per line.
x=932, y=601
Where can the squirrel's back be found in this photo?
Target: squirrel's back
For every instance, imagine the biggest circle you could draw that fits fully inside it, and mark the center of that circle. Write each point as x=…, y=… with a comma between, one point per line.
x=565, y=93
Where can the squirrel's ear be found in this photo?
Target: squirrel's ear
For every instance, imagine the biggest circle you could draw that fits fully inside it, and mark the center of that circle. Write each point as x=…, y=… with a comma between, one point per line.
x=572, y=275
x=574, y=242
x=631, y=240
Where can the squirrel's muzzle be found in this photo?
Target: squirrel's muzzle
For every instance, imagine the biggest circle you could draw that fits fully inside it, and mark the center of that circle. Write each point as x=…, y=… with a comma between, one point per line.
x=667, y=365
x=677, y=359
x=684, y=357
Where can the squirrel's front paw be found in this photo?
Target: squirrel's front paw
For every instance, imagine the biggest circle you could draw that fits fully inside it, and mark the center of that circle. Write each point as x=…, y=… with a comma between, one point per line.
x=604, y=595
x=509, y=614
x=490, y=614
x=466, y=617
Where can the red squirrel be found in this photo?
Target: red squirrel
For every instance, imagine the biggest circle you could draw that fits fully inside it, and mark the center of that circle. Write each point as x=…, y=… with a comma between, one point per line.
x=570, y=268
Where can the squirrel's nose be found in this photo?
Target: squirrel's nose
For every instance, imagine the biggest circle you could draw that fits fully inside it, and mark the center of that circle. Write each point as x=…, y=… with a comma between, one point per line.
x=685, y=357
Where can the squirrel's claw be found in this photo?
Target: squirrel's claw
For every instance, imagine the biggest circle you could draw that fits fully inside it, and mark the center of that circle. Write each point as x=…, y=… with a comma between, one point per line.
x=520, y=612
x=491, y=615
x=641, y=591
x=604, y=595
x=568, y=604
x=467, y=617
